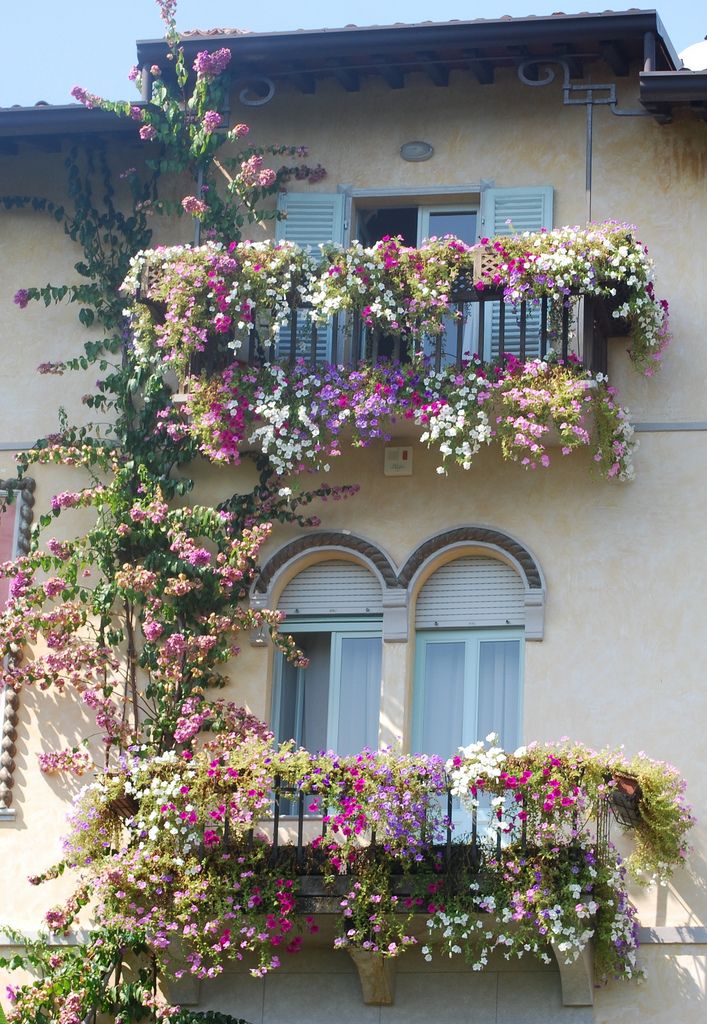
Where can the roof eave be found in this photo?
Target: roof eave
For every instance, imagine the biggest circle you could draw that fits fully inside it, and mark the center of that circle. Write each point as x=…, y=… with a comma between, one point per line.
x=24, y=122
x=662, y=91
x=275, y=46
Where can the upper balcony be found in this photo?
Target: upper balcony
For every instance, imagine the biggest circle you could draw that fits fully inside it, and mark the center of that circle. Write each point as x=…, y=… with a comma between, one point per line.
x=504, y=339
x=566, y=290
x=480, y=324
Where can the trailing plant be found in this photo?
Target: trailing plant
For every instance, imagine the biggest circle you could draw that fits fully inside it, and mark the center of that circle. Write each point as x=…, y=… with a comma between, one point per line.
x=301, y=418
x=395, y=288
x=178, y=847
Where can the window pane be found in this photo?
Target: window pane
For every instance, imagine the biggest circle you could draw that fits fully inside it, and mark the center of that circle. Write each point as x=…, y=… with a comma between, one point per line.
x=461, y=223
x=359, y=694
x=304, y=696
x=499, y=690
x=443, y=697
x=317, y=647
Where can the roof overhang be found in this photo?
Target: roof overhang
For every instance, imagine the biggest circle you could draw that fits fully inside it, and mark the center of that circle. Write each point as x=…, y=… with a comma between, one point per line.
x=661, y=92
x=47, y=125
x=626, y=41
x=623, y=39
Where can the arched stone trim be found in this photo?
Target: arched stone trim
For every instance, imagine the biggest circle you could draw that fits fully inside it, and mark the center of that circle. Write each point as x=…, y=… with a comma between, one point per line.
x=498, y=545
x=397, y=586
x=336, y=544
x=23, y=491
x=372, y=556
x=483, y=536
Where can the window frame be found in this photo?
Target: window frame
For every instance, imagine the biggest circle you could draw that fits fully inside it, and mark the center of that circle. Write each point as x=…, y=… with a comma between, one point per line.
x=339, y=628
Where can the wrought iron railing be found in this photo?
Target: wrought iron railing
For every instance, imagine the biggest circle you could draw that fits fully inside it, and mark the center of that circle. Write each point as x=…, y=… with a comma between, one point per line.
x=288, y=831
x=481, y=324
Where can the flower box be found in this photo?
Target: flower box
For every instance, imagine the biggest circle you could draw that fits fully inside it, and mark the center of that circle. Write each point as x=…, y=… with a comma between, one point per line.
x=624, y=800
x=124, y=806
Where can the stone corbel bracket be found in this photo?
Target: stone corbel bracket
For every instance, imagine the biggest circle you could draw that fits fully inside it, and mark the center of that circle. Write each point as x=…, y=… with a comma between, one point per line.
x=576, y=978
x=22, y=492
x=377, y=976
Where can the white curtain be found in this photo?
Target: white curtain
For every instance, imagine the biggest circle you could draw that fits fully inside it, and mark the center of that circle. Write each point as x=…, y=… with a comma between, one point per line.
x=359, y=694
x=499, y=691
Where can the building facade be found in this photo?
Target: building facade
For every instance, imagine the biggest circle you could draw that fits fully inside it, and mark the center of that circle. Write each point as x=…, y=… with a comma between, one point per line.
x=436, y=608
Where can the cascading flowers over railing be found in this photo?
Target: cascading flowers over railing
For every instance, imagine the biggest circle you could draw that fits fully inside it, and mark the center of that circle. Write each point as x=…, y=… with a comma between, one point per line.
x=214, y=289
x=302, y=418
x=176, y=850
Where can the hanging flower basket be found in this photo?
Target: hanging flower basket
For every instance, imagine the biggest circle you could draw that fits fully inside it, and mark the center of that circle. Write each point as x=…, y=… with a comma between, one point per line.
x=624, y=800
x=124, y=806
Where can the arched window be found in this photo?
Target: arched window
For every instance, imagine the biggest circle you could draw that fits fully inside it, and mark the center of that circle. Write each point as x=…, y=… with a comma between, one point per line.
x=334, y=610
x=469, y=636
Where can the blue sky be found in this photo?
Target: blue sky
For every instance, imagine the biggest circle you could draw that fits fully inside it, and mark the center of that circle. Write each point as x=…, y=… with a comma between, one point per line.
x=48, y=46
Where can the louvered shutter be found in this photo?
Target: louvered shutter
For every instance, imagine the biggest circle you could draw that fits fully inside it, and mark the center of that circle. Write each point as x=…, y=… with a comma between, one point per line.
x=312, y=219
x=334, y=587
x=473, y=591
x=527, y=209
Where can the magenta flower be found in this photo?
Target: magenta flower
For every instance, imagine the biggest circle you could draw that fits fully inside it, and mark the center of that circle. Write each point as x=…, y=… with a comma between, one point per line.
x=148, y=132
x=21, y=298
x=267, y=178
x=209, y=65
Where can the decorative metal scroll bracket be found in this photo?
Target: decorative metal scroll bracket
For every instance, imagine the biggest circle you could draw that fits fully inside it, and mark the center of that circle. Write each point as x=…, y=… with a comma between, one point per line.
x=257, y=92
x=580, y=94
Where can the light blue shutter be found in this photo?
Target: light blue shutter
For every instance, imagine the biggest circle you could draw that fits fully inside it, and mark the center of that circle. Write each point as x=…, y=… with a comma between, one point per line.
x=312, y=219
x=527, y=209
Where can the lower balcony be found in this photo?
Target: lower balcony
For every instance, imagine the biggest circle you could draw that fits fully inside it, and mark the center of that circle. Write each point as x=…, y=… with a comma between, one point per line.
x=487, y=853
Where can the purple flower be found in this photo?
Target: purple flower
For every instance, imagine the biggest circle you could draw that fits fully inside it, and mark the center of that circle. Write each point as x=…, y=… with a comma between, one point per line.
x=209, y=65
x=19, y=584
x=148, y=132
x=212, y=120
x=21, y=298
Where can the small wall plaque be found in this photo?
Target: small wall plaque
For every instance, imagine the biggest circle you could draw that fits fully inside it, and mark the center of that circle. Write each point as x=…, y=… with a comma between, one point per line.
x=398, y=462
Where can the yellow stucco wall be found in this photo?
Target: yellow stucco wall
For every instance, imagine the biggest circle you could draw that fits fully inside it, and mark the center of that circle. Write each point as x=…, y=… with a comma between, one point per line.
x=624, y=648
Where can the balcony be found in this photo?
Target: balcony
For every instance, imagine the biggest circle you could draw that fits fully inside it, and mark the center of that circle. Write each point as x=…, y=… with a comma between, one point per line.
x=368, y=846
x=504, y=341
x=443, y=304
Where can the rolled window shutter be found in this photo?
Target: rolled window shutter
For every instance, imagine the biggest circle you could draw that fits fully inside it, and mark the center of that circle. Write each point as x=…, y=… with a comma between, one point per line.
x=334, y=587
x=312, y=218
x=527, y=209
x=471, y=592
